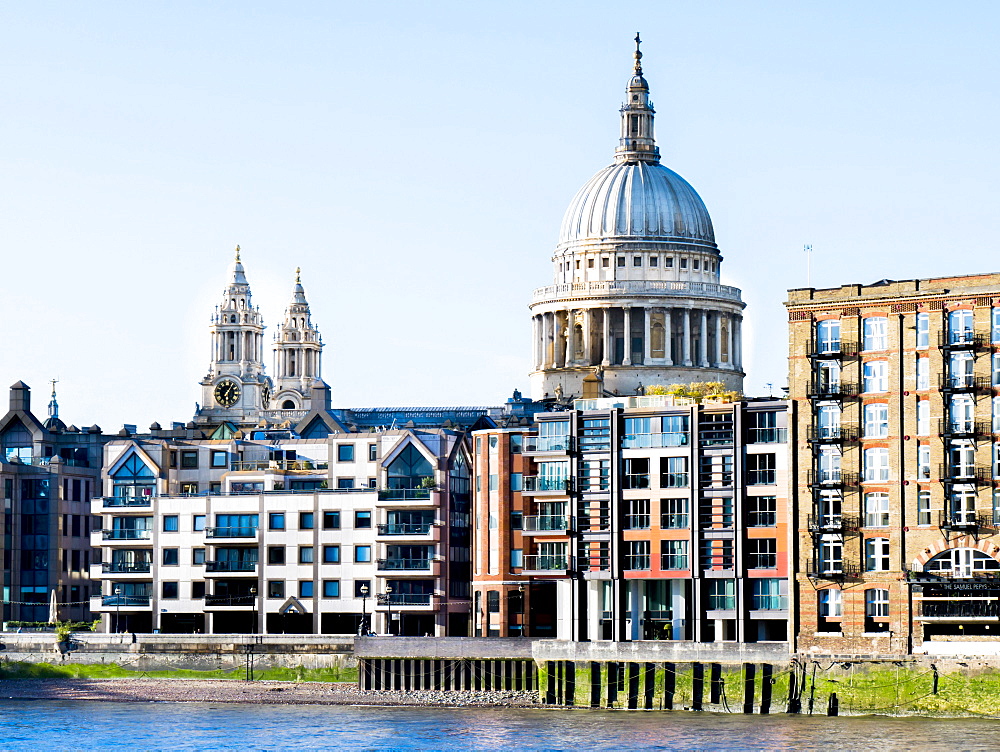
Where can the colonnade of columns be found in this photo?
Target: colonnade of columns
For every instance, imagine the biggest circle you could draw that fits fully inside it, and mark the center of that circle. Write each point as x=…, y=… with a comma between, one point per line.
x=637, y=335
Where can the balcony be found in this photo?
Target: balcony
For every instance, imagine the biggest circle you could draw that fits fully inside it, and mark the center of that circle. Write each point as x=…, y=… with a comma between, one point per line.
x=542, y=484
x=127, y=535
x=832, y=524
x=120, y=502
x=548, y=444
x=965, y=521
x=231, y=532
x=839, y=391
x=126, y=568
x=405, y=529
x=965, y=475
x=761, y=477
x=832, y=349
x=404, y=600
x=636, y=562
x=715, y=437
x=963, y=429
x=831, y=478
x=409, y=565
x=673, y=562
x=547, y=564
x=767, y=436
x=404, y=494
x=231, y=601
x=833, y=571
x=958, y=383
x=125, y=601
x=230, y=566
x=546, y=524
x=259, y=466
x=634, y=481
x=655, y=440
x=832, y=434
x=674, y=480
x=960, y=340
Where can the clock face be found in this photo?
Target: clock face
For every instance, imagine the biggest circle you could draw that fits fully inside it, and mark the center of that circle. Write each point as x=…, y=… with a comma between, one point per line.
x=265, y=396
x=227, y=393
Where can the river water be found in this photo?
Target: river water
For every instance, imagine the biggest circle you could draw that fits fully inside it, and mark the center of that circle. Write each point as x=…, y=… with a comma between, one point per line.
x=62, y=725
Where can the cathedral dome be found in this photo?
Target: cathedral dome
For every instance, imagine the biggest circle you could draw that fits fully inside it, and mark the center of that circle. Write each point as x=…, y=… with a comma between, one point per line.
x=640, y=200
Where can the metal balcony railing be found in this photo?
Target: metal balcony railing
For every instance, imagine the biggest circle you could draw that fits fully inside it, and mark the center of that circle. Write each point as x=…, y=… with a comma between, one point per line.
x=832, y=434
x=404, y=564
x=827, y=570
x=964, y=382
x=243, y=531
x=674, y=561
x=832, y=478
x=124, y=601
x=547, y=563
x=404, y=494
x=114, y=502
x=548, y=444
x=935, y=575
x=839, y=391
x=637, y=562
x=675, y=480
x=127, y=534
x=123, y=568
x=405, y=528
x=542, y=483
x=655, y=440
x=823, y=524
x=957, y=340
x=971, y=475
x=964, y=520
x=246, y=600
x=767, y=436
x=831, y=349
x=770, y=603
x=635, y=480
x=230, y=566
x=404, y=599
x=963, y=429
x=761, y=477
x=546, y=523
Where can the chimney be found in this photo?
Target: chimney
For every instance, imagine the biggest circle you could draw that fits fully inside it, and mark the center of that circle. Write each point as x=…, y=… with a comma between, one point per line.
x=20, y=397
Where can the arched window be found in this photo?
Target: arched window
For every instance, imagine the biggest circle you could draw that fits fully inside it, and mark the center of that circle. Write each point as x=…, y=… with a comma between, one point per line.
x=287, y=405
x=656, y=340
x=577, y=342
x=232, y=319
x=961, y=562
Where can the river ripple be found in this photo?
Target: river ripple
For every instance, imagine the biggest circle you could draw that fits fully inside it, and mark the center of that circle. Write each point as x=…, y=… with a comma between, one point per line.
x=51, y=724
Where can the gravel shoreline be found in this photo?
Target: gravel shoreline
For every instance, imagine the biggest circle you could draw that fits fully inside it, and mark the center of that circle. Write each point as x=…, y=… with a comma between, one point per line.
x=258, y=692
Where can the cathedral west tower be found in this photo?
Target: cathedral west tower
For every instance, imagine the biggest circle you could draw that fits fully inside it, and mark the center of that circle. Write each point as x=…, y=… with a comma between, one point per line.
x=636, y=298
x=298, y=349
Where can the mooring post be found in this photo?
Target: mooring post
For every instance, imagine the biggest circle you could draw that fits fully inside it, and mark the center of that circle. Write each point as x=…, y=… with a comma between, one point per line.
x=749, y=676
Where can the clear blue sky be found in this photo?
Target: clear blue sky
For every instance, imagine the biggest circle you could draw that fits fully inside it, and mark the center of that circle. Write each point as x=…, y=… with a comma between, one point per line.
x=415, y=159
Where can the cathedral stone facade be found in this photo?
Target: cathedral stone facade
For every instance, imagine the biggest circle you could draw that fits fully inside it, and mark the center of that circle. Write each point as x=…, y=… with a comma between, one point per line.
x=636, y=298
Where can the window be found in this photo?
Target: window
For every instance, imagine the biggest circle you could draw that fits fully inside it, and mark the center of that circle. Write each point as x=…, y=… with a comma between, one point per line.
x=197, y=589
x=828, y=420
x=996, y=506
x=362, y=520
x=721, y=595
x=684, y=263
x=767, y=595
x=372, y=454
x=494, y=482
x=828, y=336
x=637, y=555
x=636, y=473
x=276, y=521
x=305, y=588
x=516, y=481
x=189, y=488
x=876, y=463
x=761, y=470
x=637, y=517
x=170, y=590
x=197, y=555
x=762, y=428
x=345, y=484
x=762, y=553
x=362, y=554
x=220, y=459
x=331, y=520
x=189, y=459
x=924, y=462
x=307, y=520
x=830, y=603
x=995, y=372
x=876, y=510
x=924, y=507
x=877, y=603
x=345, y=452
x=996, y=415
x=275, y=554
x=305, y=554
x=674, y=472
x=170, y=557
x=621, y=261
x=876, y=376
x=215, y=487
x=923, y=417
x=674, y=513
x=170, y=523
x=637, y=261
x=877, y=555
x=668, y=262
x=674, y=554
x=331, y=554
x=923, y=329
x=198, y=522
x=830, y=554
x=275, y=588
x=762, y=511
x=654, y=261
x=875, y=333
x=331, y=588
x=695, y=262
x=517, y=520
x=876, y=417
x=960, y=326
x=923, y=373
x=363, y=588
x=605, y=262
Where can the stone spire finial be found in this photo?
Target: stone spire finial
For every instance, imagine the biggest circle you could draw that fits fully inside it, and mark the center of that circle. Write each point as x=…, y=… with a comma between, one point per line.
x=298, y=275
x=53, y=405
x=637, y=143
x=638, y=55
x=237, y=252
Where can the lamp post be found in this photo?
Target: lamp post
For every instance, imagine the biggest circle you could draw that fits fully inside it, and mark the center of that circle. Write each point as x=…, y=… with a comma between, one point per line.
x=253, y=604
x=118, y=608
x=363, y=629
x=388, y=602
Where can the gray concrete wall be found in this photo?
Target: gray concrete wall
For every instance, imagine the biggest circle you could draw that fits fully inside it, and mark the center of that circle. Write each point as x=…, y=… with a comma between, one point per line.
x=443, y=647
x=174, y=652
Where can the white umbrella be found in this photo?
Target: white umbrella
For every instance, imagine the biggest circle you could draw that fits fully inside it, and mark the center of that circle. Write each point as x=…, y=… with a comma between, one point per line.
x=53, y=607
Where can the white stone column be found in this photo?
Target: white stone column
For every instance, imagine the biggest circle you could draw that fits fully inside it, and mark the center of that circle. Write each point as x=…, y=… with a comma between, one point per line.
x=729, y=340
x=627, y=336
x=570, y=357
x=647, y=336
x=588, y=354
x=545, y=341
x=535, y=337
x=606, y=333
x=738, y=342
x=703, y=340
x=718, y=339
x=668, y=336
x=686, y=343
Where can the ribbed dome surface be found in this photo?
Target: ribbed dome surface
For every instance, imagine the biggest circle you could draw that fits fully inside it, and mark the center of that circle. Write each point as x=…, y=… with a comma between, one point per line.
x=637, y=200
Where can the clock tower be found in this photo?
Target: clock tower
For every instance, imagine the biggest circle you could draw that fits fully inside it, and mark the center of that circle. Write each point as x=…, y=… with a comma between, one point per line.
x=236, y=389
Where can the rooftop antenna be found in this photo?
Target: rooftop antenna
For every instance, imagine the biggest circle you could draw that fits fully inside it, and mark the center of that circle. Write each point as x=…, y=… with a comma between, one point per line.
x=808, y=249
